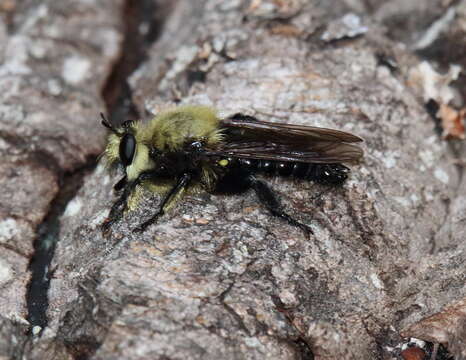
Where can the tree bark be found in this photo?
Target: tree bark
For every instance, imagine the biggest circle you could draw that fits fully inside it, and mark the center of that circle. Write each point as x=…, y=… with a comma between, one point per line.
x=218, y=277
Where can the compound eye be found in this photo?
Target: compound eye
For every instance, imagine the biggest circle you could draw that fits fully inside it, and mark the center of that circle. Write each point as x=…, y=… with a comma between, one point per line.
x=127, y=149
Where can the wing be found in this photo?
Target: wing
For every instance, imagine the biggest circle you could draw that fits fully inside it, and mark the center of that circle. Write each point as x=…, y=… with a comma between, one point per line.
x=247, y=137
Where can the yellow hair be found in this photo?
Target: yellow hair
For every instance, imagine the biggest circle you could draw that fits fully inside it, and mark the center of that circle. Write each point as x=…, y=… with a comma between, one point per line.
x=167, y=131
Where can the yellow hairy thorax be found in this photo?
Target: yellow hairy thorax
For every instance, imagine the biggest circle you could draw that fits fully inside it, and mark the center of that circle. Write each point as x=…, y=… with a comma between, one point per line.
x=171, y=129
x=167, y=131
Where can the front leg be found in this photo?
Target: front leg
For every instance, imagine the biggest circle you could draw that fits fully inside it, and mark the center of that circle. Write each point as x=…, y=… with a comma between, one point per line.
x=119, y=207
x=181, y=184
x=120, y=185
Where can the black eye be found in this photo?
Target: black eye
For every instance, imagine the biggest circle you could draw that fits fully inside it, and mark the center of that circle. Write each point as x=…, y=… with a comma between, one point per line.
x=127, y=149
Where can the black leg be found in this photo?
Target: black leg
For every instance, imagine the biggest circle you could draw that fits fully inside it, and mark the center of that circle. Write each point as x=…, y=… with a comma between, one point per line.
x=119, y=207
x=181, y=184
x=239, y=116
x=270, y=201
x=120, y=184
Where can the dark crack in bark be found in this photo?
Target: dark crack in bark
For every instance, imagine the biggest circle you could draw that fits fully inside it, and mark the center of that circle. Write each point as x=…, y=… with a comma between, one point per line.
x=81, y=333
x=143, y=21
x=44, y=245
x=302, y=344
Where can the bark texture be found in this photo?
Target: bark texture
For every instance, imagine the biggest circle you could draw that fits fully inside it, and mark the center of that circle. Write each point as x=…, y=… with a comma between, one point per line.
x=218, y=277
x=51, y=72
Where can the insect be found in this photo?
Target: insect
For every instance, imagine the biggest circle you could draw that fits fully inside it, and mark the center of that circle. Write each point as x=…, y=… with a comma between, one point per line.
x=190, y=148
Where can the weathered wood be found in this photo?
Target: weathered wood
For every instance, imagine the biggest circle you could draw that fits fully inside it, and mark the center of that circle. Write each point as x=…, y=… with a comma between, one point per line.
x=218, y=277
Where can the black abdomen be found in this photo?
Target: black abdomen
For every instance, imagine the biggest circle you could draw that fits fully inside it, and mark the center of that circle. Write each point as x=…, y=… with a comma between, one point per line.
x=320, y=173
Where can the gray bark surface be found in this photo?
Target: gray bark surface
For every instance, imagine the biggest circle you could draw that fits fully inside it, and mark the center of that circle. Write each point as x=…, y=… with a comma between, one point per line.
x=50, y=77
x=218, y=277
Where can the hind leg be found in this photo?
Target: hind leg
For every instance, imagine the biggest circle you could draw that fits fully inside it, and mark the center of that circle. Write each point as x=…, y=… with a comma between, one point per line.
x=270, y=201
x=241, y=181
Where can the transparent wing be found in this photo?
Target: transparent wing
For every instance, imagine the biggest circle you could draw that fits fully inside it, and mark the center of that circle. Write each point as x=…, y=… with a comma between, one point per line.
x=246, y=137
